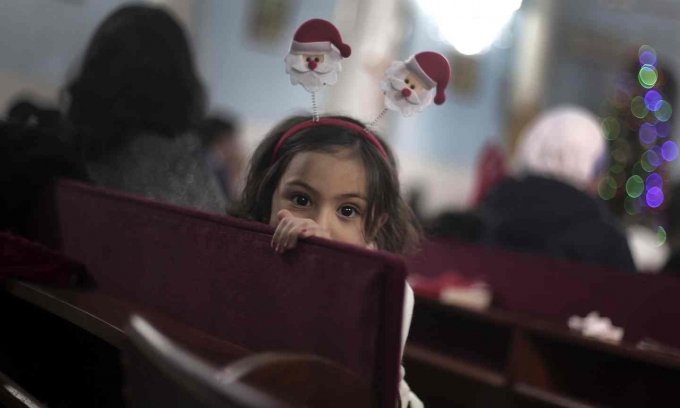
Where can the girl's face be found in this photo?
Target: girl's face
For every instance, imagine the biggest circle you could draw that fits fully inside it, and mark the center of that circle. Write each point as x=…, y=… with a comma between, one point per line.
x=330, y=189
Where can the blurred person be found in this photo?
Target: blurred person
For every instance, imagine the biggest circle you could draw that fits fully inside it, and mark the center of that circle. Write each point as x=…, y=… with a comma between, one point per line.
x=223, y=152
x=491, y=170
x=131, y=105
x=31, y=157
x=24, y=112
x=465, y=226
x=549, y=207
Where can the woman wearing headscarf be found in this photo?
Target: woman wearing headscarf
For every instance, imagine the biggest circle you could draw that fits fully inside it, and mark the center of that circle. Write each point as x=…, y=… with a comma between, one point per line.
x=549, y=205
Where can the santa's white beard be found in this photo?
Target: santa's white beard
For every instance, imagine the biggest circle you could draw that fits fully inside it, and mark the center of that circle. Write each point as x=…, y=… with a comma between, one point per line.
x=325, y=73
x=392, y=85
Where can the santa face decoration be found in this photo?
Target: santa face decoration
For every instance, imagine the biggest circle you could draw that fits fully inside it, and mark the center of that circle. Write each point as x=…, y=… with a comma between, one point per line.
x=411, y=86
x=315, y=55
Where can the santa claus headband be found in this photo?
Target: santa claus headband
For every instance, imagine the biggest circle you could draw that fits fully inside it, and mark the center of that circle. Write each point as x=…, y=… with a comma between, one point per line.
x=314, y=61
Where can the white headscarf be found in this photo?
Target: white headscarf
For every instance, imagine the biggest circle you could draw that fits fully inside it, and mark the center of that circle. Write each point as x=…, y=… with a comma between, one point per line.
x=565, y=143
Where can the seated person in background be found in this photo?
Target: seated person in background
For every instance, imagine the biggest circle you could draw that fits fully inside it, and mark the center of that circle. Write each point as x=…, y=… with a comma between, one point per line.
x=465, y=226
x=131, y=104
x=549, y=207
x=223, y=152
x=26, y=113
x=31, y=157
x=331, y=181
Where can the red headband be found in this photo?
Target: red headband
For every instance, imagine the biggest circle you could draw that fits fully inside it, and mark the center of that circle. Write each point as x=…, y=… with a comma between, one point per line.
x=328, y=121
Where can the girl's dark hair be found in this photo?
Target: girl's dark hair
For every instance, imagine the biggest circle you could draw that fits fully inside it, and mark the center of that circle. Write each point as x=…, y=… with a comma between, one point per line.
x=399, y=232
x=137, y=75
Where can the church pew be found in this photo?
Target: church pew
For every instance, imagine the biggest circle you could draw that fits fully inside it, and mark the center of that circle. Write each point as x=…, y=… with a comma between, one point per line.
x=64, y=346
x=220, y=275
x=154, y=363
x=520, y=352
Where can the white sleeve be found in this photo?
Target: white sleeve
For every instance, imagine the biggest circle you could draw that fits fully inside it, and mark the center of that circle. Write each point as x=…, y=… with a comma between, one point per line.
x=408, y=399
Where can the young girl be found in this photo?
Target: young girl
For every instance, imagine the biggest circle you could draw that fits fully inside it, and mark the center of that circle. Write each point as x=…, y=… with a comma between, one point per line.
x=331, y=179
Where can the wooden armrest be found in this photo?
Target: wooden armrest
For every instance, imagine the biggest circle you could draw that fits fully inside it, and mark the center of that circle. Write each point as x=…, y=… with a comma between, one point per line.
x=300, y=380
x=13, y=396
x=106, y=317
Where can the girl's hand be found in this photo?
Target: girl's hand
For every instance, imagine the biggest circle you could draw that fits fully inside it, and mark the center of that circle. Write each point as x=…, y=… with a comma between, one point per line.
x=290, y=229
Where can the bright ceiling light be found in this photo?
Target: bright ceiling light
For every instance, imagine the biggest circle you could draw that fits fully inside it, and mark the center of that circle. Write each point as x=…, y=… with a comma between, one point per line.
x=471, y=26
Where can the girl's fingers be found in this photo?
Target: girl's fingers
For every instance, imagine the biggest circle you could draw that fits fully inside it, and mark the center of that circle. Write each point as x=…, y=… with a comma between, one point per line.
x=287, y=235
x=276, y=239
x=291, y=238
x=314, y=232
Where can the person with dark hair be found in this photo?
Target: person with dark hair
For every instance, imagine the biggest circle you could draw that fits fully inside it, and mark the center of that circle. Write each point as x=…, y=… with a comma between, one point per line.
x=223, y=152
x=30, y=159
x=331, y=178
x=384, y=220
x=131, y=105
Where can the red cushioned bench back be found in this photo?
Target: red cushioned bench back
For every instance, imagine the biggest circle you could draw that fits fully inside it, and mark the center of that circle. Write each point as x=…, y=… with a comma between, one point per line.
x=554, y=289
x=219, y=274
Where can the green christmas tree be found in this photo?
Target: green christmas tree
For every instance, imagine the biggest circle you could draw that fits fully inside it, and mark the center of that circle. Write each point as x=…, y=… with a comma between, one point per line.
x=636, y=120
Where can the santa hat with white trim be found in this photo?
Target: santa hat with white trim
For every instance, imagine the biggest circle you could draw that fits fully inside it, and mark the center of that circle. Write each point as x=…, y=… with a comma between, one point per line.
x=317, y=36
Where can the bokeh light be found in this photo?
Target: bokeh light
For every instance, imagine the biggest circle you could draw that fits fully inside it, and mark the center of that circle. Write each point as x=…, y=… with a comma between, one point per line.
x=654, y=197
x=653, y=100
x=646, y=49
x=648, y=159
x=653, y=156
x=470, y=26
x=639, y=170
x=607, y=188
x=663, y=129
x=647, y=76
x=629, y=206
x=635, y=186
x=665, y=112
x=616, y=172
x=661, y=236
x=669, y=151
x=611, y=128
x=653, y=180
x=647, y=133
x=638, y=107
x=648, y=58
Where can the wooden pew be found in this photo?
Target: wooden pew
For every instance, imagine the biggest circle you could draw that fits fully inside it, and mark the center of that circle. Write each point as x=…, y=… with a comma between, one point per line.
x=155, y=365
x=520, y=353
x=85, y=332
x=63, y=345
x=219, y=275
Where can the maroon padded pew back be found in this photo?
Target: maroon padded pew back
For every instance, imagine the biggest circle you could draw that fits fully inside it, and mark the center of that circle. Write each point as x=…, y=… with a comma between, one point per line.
x=220, y=275
x=554, y=289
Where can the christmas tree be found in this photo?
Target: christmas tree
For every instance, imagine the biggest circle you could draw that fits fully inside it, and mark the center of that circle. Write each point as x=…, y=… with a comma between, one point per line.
x=636, y=120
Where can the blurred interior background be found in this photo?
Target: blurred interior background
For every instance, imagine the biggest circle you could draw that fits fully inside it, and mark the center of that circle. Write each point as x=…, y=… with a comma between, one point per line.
x=510, y=60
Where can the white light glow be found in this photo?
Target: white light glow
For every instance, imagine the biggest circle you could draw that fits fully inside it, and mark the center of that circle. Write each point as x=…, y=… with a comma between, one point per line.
x=471, y=26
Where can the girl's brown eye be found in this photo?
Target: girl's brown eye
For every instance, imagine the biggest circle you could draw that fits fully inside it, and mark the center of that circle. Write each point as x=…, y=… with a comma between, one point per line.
x=348, y=211
x=301, y=200
x=406, y=81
